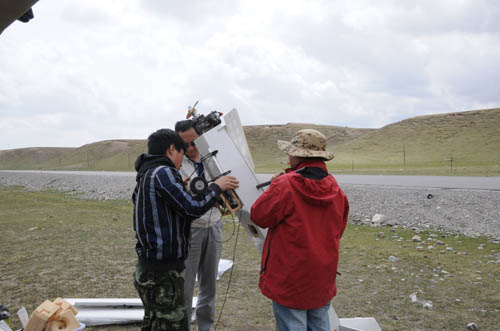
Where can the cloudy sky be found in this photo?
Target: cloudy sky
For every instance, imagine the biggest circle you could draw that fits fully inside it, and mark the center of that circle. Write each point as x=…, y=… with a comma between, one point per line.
x=88, y=70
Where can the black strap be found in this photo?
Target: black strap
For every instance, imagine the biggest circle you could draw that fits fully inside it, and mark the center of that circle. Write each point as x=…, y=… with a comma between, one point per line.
x=312, y=173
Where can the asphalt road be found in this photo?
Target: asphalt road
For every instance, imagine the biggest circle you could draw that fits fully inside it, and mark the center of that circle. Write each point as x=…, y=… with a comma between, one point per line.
x=444, y=182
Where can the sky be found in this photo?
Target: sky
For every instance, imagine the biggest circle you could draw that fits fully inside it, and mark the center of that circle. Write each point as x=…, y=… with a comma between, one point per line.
x=84, y=71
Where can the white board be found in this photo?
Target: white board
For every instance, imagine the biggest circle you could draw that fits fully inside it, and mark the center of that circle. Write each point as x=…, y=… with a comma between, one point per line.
x=234, y=156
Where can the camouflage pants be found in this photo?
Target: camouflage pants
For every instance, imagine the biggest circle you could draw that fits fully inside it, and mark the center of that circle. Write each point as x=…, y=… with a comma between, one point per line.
x=162, y=294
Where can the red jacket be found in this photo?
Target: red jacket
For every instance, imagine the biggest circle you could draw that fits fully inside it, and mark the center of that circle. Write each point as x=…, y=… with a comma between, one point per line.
x=306, y=218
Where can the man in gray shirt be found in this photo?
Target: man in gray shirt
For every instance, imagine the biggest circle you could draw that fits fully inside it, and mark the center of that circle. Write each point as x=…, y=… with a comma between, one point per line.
x=206, y=239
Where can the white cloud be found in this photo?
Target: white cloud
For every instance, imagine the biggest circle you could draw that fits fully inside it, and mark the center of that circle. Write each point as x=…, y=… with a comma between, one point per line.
x=83, y=71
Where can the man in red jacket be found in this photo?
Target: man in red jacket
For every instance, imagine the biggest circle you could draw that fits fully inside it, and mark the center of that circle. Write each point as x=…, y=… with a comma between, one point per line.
x=306, y=213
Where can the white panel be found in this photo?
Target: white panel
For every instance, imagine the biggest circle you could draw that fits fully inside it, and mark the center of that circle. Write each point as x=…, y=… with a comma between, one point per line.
x=359, y=324
x=235, y=131
x=229, y=157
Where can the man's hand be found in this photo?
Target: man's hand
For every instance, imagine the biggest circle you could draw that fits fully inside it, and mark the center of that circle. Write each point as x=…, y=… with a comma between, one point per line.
x=227, y=183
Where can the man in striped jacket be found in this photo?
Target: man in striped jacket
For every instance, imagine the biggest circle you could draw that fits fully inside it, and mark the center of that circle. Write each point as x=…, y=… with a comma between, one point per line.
x=163, y=211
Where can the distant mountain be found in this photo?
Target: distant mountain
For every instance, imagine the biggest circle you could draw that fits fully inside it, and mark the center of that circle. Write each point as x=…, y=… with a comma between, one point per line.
x=463, y=139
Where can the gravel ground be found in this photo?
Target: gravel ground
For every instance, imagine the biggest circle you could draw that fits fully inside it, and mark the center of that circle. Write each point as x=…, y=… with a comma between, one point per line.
x=467, y=212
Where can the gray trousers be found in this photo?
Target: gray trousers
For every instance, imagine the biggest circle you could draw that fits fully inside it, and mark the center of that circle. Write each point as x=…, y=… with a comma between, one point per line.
x=203, y=259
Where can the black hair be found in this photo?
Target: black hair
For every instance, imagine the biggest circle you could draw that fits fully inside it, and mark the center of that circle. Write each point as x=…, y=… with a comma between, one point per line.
x=183, y=126
x=159, y=142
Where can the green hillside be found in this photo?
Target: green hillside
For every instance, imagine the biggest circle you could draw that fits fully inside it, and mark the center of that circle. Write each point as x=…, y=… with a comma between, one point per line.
x=119, y=155
x=29, y=158
x=463, y=143
x=114, y=155
x=451, y=142
x=266, y=155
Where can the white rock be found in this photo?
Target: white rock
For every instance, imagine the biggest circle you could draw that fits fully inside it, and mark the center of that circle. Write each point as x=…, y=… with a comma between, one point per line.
x=427, y=304
x=416, y=238
x=378, y=219
x=413, y=297
x=393, y=259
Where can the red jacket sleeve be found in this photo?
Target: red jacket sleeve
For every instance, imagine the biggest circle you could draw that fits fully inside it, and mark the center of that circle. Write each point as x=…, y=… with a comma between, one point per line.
x=345, y=217
x=270, y=208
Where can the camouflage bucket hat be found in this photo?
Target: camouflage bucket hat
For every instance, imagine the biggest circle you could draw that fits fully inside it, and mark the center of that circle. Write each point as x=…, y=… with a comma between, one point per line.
x=306, y=143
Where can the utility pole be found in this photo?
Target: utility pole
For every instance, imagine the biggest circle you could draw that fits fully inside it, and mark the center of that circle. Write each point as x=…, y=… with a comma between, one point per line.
x=404, y=155
x=451, y=162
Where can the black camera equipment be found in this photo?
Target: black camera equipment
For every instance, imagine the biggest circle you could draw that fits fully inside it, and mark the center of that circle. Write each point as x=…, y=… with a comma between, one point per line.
x=199, y=184
x=230, y=202
x=202, y=123
x=261, y=185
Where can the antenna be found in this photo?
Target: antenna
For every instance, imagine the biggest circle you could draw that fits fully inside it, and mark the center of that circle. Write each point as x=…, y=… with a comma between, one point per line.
x=192, y=110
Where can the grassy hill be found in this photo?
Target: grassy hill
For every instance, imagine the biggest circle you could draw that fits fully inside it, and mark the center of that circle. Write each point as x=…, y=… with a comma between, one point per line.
x=119, y=155
x=463, y=143
x=455, y=142
x=115, y=155
x=262, y=141
x=29, y=158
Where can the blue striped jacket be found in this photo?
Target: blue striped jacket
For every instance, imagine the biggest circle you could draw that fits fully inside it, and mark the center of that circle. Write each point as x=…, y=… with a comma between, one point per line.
x=163, y=210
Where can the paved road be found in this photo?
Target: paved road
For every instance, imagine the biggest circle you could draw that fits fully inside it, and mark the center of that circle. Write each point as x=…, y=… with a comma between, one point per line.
x=446, y=182
x=84, y=173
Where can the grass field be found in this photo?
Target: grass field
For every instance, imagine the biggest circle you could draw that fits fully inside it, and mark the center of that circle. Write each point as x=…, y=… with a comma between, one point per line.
x=58, y=246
